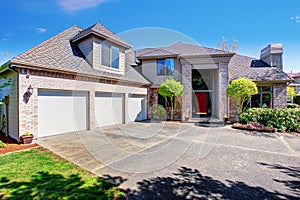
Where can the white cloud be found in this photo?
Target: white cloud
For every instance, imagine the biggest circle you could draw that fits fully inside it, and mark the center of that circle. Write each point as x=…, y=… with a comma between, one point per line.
x=296, y=18
x=41, y=30
x=4, y=39
x=75, y=5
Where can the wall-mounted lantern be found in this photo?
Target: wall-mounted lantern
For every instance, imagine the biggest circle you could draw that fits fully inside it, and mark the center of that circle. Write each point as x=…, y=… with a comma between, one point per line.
x=28, y=94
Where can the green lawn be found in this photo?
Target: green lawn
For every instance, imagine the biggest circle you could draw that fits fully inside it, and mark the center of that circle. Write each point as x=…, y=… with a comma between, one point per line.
x=40, y=174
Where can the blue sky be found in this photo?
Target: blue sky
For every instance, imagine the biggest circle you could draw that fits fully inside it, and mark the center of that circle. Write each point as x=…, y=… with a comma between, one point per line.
x=254, y=23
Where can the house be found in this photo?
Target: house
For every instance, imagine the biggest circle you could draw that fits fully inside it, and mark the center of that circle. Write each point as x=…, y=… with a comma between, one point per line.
x=206, y=73
x=80, y=79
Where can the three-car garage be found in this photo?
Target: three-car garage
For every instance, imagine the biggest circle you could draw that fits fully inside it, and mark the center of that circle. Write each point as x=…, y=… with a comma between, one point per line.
x=61, y=111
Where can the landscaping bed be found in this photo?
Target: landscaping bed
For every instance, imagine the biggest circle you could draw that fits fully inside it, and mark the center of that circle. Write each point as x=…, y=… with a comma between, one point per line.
x=270, y=120
x=39, y=174
x=13, y=145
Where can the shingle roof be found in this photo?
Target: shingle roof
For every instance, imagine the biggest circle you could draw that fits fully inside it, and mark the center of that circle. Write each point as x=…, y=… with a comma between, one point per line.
x=58, y=53
x=239, y=66
x=181, y=49
x=254, y=69
x=100, y=29
x=294, y=75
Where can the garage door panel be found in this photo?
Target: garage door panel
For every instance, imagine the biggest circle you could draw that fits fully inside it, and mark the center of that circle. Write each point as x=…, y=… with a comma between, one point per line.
x=136, y=108
x=109, y=109
x=61, y=112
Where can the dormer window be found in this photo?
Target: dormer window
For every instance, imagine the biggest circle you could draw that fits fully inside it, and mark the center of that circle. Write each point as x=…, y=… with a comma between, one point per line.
x=110, y=56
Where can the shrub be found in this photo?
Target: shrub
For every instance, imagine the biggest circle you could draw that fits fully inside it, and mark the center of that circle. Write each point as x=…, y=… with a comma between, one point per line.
x=292, y=105
x=241, y=89
x=2, y=144
x=158, y=112
x=286, y=119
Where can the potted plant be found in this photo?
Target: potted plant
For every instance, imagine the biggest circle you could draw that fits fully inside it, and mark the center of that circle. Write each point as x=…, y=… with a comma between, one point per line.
x=26, y=138
x=225, y=118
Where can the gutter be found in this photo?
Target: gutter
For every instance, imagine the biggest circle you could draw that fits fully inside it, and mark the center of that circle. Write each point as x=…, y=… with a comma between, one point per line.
x=41, y=67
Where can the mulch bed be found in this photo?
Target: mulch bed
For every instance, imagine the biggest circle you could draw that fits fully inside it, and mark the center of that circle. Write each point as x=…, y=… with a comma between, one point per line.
x=13, y=145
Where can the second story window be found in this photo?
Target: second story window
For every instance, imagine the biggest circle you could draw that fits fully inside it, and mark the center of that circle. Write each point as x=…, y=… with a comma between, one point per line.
x=110, y=56
x=165, y=67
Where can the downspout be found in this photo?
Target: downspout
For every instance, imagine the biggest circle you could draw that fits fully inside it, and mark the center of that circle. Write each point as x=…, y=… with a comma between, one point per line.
x=13, y=70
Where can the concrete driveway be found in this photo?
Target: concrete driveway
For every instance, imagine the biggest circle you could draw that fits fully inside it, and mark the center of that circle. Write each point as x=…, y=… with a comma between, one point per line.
x=184, y=161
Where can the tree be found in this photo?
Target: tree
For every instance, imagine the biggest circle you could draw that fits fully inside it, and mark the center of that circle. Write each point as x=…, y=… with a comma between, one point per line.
x=6, y=82
x=171, y=89
x=241, y=89
x=290, y=92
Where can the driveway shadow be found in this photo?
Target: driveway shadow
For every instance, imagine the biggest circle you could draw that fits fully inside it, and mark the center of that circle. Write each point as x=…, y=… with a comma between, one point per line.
x=293, y=172
x=189, y=183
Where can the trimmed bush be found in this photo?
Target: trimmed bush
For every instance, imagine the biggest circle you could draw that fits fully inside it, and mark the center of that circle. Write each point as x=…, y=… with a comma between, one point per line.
x=287, y=119
x=2, y=144
x=292, y=105
x=158, y=112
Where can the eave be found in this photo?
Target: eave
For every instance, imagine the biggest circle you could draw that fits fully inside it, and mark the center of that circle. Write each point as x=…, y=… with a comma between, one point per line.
x=25, y=65
x=86, y=33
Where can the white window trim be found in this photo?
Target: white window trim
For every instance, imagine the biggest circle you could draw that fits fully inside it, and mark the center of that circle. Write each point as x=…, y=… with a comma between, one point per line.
x=110, y=56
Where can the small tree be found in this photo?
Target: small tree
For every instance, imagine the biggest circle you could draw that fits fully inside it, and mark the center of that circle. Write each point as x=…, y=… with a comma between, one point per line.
x=241, y=89
x=290, y=93
x=172, y=89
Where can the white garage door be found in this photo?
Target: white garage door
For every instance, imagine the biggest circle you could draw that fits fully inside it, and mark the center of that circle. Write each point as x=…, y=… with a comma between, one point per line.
x=109, y=109
x=136, y=108
x=61, y=112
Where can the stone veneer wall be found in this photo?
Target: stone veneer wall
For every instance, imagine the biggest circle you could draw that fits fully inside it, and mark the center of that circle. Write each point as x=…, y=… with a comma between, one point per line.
x=186, y=106
x=279, y=96
x=223, y=84
x=28, y=117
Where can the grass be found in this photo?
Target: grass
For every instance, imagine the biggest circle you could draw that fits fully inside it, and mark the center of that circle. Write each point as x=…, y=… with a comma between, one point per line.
x=40, y=174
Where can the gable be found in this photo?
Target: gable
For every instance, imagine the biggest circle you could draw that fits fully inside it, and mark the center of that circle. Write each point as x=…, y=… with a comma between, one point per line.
x=60, y=54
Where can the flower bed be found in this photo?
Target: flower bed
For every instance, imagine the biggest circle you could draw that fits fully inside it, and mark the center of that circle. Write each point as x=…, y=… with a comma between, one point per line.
x=253, y=126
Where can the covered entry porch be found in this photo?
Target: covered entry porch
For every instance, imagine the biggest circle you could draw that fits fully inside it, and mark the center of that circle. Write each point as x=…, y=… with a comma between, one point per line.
x=205, y=80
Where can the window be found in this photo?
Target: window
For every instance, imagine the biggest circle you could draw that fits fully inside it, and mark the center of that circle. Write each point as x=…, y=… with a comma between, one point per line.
x=165, y=67
x=263, y=99
x=115, y=57
x=110, y=56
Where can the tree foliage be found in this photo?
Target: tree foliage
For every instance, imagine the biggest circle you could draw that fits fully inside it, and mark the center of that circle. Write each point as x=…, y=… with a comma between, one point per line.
x=172, y=89
x=290, y=92
x=241, y=89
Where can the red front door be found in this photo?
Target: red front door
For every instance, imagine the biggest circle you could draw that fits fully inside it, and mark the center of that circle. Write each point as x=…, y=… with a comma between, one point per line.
x=202, y=103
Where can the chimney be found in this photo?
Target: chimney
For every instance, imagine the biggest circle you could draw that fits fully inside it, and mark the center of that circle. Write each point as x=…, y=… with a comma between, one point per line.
x=272, y=55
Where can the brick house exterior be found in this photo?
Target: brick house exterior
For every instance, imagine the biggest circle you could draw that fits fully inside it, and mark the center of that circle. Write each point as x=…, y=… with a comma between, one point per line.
x=62, y=67
x=193, y=64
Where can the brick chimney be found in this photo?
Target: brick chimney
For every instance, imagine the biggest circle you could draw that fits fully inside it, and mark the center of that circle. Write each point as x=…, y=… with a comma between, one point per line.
x=272, y=55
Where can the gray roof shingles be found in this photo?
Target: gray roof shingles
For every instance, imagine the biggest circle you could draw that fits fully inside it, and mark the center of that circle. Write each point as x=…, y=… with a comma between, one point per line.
x=103, y=31
x=254, y=69
x=239, y=66
x=58, y=53
x=179, y=48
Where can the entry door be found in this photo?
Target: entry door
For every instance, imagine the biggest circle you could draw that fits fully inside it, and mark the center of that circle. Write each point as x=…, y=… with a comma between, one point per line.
x=202, y=103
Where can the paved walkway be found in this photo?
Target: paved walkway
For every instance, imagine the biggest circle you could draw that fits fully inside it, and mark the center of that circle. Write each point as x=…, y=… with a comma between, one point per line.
x=181, y=161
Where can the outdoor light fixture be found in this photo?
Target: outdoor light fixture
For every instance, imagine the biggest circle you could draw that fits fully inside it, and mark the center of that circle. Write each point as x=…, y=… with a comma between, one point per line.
x=29, y=91
x=27, y=94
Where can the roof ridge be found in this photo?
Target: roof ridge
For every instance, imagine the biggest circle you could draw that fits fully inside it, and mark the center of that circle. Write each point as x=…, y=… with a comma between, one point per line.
x=105, y=32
